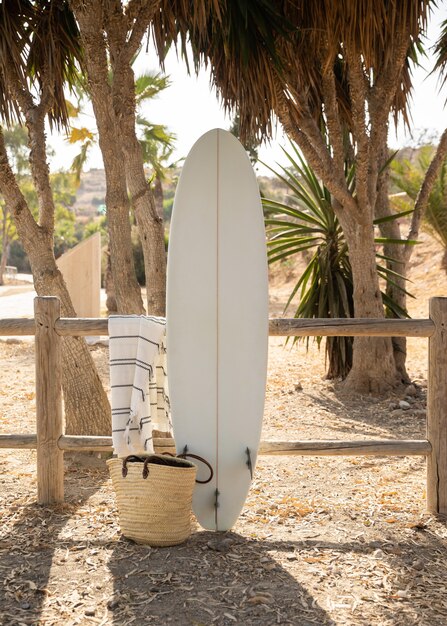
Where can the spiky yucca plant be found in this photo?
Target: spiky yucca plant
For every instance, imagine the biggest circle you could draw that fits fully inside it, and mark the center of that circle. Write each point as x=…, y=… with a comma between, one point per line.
x=307, y=222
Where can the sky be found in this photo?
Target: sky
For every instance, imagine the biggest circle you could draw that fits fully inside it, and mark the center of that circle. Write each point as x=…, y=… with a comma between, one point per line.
x=190, y=108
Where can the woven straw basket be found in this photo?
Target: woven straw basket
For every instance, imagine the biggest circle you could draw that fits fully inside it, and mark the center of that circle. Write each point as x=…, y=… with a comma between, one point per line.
x=163, y=442
x=155, y=509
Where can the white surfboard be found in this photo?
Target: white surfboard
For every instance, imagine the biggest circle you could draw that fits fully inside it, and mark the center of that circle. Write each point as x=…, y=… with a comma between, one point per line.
x=217, y=322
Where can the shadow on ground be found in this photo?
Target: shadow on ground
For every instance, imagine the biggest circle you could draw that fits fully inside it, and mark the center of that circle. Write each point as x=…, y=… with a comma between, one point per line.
x=68, y=565
x=222, y=578
x=36, y=540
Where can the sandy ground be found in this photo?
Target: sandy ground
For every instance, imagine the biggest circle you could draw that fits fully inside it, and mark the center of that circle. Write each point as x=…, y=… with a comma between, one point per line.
x=320, y=541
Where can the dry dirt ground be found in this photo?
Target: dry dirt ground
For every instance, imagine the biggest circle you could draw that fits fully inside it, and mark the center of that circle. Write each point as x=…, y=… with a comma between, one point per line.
x=320, y=541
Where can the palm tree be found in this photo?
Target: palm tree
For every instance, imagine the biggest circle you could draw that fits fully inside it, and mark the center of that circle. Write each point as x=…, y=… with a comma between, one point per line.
x=111, y=34
x=157, y=149
x=38, y=57
x=324, y=69
x=156, y=144
x=408, y=176
x=306, y=222
x=156, y=141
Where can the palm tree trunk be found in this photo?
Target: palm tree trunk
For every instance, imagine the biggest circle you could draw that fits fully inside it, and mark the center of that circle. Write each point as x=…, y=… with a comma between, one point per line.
x=113, y=97
x=395, y=262
x=150, y=223
x=158, y=194
x=87, y=409
x=373, y=367
x=109, y=286
x=128, y=294
x=5, y=246
x=126, y=288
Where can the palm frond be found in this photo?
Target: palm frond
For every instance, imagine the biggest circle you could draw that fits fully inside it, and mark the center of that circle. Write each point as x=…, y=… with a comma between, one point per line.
x=262, y=53
x=149, y=85
x=16, y=20
x=441, y=53
x=54, y=55
x=408, y=177
x=80, y=160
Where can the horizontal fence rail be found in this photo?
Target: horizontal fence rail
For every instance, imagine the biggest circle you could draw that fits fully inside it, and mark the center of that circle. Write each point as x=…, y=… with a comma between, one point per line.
x=333, y=447
x=284, y=327
x=50, y=441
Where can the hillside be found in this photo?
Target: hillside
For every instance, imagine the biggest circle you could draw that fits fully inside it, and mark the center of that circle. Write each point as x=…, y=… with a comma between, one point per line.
x=426, y=277
x=92, y=191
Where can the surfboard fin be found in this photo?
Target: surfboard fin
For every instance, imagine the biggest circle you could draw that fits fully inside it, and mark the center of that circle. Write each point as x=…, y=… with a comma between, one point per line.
x=249, y=463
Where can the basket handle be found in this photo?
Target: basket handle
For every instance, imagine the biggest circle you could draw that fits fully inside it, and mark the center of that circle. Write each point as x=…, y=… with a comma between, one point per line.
x=145, y=467
x=179, y=456
x=199, y=458
x=131, y=457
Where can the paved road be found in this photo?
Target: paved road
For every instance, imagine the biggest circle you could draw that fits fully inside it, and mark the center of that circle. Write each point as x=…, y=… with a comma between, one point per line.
x=18, y=300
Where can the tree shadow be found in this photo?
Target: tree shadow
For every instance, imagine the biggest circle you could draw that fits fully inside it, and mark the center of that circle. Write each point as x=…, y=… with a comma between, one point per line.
x=70, y=557
x=40, y=538
x=214, y=578
x=231, y=579
x=363, y=413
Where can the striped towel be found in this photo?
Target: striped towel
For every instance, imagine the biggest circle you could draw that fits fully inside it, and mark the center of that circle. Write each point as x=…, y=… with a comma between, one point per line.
x=140, y=399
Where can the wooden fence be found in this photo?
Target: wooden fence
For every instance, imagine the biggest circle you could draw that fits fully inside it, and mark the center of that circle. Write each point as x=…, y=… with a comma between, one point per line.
x=51, y=442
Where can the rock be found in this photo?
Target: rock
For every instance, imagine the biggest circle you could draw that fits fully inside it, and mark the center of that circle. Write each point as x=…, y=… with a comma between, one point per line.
x=90, y=611
x=393, y=406
x=394, y=549
x=411, y=390
x=298, y=387
x=378, y=554
x=265, y=598
x=220, y=545
x=409, y=399
x=113, y=603
x=420, y=413
x=404, y=405
x=25, y=605
x=269, y=566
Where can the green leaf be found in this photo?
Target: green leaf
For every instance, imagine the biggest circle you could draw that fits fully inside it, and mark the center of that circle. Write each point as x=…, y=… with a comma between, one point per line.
x=403, y=242
x=392, y=218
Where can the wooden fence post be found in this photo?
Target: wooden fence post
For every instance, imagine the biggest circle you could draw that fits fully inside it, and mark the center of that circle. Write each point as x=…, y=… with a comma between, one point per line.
x=49, y=421
x=437, y=409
